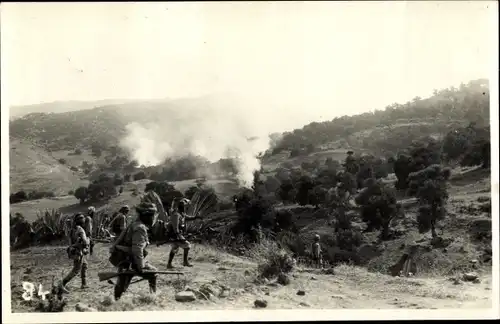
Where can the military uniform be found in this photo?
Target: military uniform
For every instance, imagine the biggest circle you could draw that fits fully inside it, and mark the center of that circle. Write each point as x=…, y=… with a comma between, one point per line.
x=176, y=228
x=78, y=251
x=129, y=252
x=119, y=222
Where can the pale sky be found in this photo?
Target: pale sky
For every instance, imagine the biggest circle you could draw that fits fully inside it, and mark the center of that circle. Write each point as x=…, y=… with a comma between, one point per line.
x=328, y=59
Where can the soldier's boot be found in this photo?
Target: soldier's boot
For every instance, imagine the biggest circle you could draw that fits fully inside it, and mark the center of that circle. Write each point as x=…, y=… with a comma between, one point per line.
x=170, y=259
x=62, y=286
x=152, y=284
x=84, y=276
x=186, y=260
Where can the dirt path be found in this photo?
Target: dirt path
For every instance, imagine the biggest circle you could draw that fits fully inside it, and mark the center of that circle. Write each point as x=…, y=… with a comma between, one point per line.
x=350, y=287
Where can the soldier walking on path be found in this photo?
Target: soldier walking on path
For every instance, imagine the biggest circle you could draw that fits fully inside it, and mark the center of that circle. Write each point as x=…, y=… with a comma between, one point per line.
x=316, y=252
x=176, y=227
x=77, y=251
x=128, y=252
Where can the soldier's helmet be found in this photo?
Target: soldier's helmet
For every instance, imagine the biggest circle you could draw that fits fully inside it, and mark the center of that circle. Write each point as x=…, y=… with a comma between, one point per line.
x=316, y=237
x=91, y=210
x=79, y=219
x=126, y=208
x=148, y=213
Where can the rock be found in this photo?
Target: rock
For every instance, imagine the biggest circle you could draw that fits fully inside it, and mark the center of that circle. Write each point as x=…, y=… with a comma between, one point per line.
x=314, y=278
x=328, y=271
x=185, y=296
x=337, y=296
x=476, y=281
x=222, y=268
x=283, y=279
x=224, y=293
x=304, y=304
x=260, y=303
x=267, y=293
x=301, y=293
x=272, y=284
x=246, y=273
x=470, y=276
x=80, y=307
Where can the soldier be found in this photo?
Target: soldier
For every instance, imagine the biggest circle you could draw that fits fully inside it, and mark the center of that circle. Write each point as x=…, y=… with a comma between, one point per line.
x=88, y=227
x=119, y=222
x=176, y=228
x=128, y=252
x=77, y=251
x=316, y=252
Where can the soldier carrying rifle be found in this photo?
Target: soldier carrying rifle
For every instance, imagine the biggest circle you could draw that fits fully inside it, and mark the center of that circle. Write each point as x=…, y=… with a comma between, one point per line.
x=77, y=251
x=175, y=229
x=128, y=251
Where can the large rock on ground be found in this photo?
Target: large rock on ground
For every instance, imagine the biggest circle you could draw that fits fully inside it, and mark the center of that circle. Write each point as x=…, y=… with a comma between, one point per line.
x=185, y=296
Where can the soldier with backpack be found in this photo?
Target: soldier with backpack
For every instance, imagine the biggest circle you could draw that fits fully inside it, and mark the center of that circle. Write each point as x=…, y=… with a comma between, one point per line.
x=119, y=222
x=128, y=251
x=77, y=251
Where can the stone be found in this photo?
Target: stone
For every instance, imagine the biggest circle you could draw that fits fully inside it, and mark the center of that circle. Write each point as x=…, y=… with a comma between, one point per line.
x=304, y=304
x=470, y=276
x=476, y=281
x=80, y=307
x=260, y=303
x=185, y=296
x=224, y=293
x=301, y=293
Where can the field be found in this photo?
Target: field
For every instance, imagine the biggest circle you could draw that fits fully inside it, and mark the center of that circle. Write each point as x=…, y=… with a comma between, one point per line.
x=233, y=277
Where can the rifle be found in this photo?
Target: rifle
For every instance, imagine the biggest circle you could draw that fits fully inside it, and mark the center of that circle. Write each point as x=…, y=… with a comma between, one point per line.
x=111, y=274
x=102, y=240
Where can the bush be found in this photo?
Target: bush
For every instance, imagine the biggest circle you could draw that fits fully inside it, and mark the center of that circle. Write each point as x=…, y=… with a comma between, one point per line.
x=273, y=260
x=78, y=151
x=62, y=161
x=49, y=226
x=253, y=212
x=18, y=197
x=73, y=168
x=81, y=194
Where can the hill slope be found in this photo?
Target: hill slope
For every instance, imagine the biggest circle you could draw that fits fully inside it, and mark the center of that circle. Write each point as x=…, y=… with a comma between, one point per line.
x=33, y=168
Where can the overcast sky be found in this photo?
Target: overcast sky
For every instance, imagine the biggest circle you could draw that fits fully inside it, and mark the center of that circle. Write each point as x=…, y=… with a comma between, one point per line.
x=327, y=59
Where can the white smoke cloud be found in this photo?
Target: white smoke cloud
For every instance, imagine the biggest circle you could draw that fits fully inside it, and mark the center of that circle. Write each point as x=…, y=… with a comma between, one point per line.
x=214, y=132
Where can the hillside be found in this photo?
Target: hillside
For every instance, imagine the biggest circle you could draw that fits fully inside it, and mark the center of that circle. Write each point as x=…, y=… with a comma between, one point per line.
x=435, y=286
x=33, y=168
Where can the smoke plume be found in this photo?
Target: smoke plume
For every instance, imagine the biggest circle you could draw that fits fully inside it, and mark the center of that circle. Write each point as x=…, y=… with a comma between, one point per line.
x=210, y=132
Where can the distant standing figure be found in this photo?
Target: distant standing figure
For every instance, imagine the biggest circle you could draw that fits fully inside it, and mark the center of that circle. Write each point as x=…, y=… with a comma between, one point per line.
x=316, y=252
x=77, y=251
x=119, y=222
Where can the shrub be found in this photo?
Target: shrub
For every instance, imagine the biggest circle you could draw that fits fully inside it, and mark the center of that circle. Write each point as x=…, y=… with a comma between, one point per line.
x=78, y=151
x=73, y=168
x=49, y=226
x=273, y=260
x=81, y=194
x=62, y=161
x=18, y=197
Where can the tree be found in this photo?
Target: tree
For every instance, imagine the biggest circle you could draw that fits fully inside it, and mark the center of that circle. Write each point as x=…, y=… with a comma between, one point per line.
x=284, y=192
x=430, y=187
x=140, y=176
x=378, y=206
x=303, y=186
x=81, y=194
